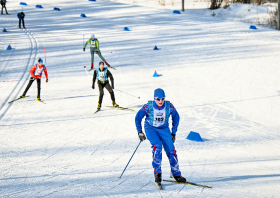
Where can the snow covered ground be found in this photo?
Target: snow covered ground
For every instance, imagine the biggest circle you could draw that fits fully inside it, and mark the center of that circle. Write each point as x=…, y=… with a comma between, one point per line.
x=222, y=77
x=253, y=14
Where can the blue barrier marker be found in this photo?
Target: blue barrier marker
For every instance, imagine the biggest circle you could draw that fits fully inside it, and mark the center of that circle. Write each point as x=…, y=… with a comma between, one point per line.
x=22, y=3
x=155, y=48
x=126, y=29
x=83, y=15
x=176, y=12
x=56, y=9
x=4, y=30
x=39, y=6
x=193, y=136
x=9, y=47
x=155, y=74
x=253, y=27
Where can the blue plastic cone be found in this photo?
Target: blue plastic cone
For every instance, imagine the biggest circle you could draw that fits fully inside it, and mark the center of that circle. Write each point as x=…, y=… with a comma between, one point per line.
x=39, y=6
x=92, y=0
x=126, y=29
x=4, y=30
x=155, y=48
x=193, y=136
x=83, y=15
x=155, y=74
x=9, y=47
x=56, y=9
x=22, y=3
x=253, y=27
x=176, y=12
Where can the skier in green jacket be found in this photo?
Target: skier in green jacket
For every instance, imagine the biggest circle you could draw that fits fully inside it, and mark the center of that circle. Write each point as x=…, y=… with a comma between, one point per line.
x=94, y=48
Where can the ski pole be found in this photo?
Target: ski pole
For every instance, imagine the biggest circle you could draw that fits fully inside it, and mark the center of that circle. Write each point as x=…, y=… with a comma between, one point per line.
x=86, y=70
x=130, y=159
x=127, y=93
x=45, y=56
x=15, y=10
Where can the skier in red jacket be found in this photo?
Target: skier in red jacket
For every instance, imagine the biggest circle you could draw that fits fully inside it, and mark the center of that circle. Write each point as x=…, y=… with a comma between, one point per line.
x=36, y=74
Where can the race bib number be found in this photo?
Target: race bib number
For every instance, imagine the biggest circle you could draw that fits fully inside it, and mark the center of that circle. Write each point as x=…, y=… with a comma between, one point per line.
x=101, y=76
x=159, y=117
x=39, y=71
x=92, y=43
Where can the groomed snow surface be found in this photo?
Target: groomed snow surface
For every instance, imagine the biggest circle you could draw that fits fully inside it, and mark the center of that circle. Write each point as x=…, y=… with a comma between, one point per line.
x=222, y=77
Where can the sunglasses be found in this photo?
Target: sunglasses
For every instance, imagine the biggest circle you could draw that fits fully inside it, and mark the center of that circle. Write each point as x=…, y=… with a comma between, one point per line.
x=159, y=99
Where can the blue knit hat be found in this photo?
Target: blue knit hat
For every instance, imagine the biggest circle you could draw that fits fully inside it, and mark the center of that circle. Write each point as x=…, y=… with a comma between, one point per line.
x=159, y=93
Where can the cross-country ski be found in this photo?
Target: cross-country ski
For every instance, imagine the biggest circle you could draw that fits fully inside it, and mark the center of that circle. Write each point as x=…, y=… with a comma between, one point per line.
x=139, y=98
x=18, y=99
x=121, y=108
x=188, y=183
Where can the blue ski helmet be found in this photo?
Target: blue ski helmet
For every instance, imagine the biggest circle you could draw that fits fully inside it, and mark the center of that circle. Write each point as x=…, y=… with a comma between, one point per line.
x=159, y=93
x=101, y=63
x=92, y=37
x=40, y=61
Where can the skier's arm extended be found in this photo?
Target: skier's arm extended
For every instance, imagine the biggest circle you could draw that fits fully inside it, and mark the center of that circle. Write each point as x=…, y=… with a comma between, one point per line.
x=94, y=78
x=32, y=71
x=86, y=43
x=97, y=44
x=139, y=116
x=46, y=72
x=175, y=118
x=111, y=78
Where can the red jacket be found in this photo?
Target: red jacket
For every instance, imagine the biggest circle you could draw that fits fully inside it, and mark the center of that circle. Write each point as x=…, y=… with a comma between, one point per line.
x=37, y=71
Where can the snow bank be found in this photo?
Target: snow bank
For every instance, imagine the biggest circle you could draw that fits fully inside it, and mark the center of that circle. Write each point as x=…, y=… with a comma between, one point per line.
x=253, y=14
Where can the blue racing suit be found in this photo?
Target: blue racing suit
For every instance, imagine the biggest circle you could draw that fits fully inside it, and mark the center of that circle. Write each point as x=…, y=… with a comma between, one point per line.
x=158, y=132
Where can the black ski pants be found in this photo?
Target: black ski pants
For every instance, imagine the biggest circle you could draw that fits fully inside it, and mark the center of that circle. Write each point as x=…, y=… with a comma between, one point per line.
x=38, y=87
x=19, y=23
x=101, y=92
x=3, y=6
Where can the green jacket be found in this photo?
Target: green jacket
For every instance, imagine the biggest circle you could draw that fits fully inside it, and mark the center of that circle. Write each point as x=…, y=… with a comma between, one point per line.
x=95, y=44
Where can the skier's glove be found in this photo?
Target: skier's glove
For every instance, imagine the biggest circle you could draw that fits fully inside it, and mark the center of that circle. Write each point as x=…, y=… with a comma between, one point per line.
x=173, y=137
x=142, y=136
x=33, y=78
x=47, y=80
x=113, y=87
x=84, y=49
x=92, y=86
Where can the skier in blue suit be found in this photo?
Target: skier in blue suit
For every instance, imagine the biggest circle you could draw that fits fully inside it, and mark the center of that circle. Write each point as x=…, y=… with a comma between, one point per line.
x=156, y=126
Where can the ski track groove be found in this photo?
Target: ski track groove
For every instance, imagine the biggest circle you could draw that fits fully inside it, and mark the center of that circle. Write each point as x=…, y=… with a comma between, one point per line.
x=34, y=47
x=101, y=189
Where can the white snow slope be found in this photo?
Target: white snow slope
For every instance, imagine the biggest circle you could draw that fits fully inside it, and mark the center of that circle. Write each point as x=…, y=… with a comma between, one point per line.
x=222, y=77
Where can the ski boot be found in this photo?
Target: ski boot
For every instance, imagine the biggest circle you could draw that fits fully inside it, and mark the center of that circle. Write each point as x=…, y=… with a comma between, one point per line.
x=92, y=66
x=180, y=179
x=158, y=177
x=22, y=96
x=158, y=180
x=115, y=104
x=107, y=64
x=98, y=107
x=39, y=99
